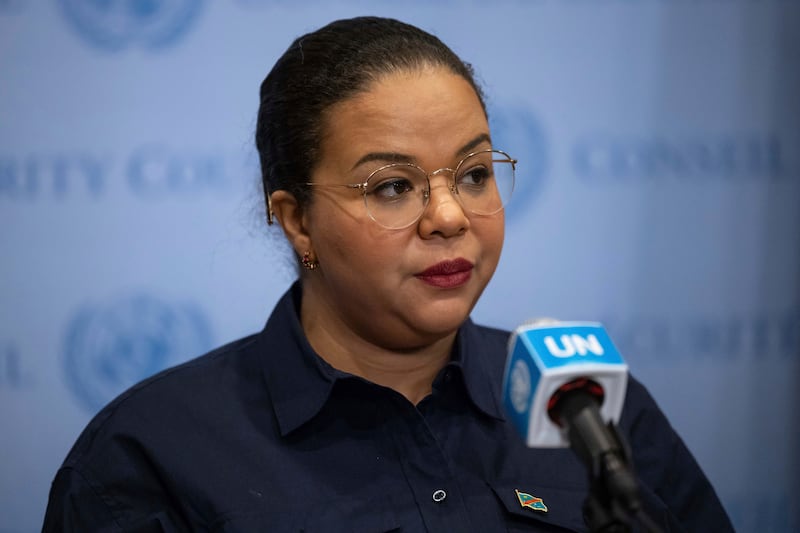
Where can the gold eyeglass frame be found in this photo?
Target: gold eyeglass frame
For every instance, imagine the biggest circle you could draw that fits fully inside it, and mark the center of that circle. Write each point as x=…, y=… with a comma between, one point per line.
x=453, y=186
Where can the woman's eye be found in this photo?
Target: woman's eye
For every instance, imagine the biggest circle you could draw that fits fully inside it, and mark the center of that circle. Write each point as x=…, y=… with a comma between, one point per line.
x=476, y=177
x=391, y=189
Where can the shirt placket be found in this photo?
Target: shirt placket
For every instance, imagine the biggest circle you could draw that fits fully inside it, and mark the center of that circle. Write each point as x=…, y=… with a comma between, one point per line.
x=427, y=471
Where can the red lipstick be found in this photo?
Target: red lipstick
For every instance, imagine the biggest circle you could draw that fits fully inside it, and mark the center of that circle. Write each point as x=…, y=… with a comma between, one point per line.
x=447, y=274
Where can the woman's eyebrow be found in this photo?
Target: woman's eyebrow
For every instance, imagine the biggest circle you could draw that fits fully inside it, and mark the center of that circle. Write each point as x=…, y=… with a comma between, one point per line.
x=467, y=148
x=388, y=157
x=396, y=157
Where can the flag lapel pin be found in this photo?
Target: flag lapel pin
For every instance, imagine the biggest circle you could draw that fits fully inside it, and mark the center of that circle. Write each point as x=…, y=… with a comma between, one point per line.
x=530, y=501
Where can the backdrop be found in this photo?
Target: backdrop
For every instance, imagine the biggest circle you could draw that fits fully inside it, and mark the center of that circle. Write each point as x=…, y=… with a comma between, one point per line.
x=659, y=148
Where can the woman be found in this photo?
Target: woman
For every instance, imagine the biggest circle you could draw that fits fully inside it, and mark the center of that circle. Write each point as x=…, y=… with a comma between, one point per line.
x=370, y=401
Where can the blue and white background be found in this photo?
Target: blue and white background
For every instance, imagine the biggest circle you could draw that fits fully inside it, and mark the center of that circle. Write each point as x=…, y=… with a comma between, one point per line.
x=659, y=148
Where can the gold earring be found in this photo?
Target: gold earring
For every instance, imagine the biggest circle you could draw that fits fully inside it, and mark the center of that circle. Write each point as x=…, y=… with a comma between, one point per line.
x=270, y=214
x=308, y=263
x=268, y=197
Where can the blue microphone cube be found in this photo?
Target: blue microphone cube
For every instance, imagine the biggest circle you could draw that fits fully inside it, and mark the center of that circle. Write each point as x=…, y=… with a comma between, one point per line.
x=542, y=358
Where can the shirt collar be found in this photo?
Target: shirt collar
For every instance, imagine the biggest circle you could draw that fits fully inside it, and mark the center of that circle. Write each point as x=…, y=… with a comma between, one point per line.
x=300, y=381
x=474, y=354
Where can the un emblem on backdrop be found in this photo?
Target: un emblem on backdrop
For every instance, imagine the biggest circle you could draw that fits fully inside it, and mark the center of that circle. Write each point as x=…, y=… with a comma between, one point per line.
x=110, y=347
x=116, y=24
x=516, y=130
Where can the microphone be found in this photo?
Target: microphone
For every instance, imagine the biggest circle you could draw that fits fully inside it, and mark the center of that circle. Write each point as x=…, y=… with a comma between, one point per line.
x=564, y=386
x=546, y=356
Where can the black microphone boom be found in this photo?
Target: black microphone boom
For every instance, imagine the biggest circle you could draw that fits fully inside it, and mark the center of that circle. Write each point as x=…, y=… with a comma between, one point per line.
x=614, y=493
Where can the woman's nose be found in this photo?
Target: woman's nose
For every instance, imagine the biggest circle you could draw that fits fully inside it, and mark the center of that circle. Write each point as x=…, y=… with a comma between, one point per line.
x=444, y=215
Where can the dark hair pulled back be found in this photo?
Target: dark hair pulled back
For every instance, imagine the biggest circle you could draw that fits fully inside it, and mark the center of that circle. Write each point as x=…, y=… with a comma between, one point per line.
x=323, y=68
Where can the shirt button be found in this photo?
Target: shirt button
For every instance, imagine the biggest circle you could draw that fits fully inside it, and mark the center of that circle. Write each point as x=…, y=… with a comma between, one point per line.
x=439, y=495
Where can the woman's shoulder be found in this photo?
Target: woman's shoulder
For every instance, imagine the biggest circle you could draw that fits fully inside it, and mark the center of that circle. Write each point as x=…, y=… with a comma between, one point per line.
x=174, y=399
x=158, y=438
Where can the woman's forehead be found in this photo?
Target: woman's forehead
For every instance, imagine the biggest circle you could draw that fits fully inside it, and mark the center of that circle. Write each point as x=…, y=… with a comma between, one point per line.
x=407, y=112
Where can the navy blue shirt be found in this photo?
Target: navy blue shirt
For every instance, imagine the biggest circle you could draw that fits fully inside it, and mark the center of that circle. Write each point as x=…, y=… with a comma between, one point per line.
x=263, y=435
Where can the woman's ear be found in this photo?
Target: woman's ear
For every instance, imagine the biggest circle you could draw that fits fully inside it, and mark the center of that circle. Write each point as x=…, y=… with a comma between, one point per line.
x=291, y=217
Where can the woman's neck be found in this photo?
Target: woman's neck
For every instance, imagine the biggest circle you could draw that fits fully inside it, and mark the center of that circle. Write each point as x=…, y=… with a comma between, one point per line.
x=409, y=371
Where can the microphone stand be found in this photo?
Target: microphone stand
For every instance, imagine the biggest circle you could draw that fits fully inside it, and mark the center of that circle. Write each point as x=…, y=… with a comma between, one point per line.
x=613, y=501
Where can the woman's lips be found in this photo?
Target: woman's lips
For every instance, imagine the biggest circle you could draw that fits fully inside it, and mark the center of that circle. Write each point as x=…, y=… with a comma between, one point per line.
x=447, y=274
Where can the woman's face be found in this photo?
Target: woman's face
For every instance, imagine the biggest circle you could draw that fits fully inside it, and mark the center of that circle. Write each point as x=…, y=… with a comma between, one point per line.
x=399, y=289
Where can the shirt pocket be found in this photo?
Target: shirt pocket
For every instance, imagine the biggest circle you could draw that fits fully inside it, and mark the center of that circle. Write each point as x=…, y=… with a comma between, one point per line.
x=561, y=509
x=340, y=515
x=529, y=507
x=350, y=516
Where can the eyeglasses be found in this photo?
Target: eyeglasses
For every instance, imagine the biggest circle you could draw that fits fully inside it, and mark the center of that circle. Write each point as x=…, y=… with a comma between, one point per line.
x=397, y=194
